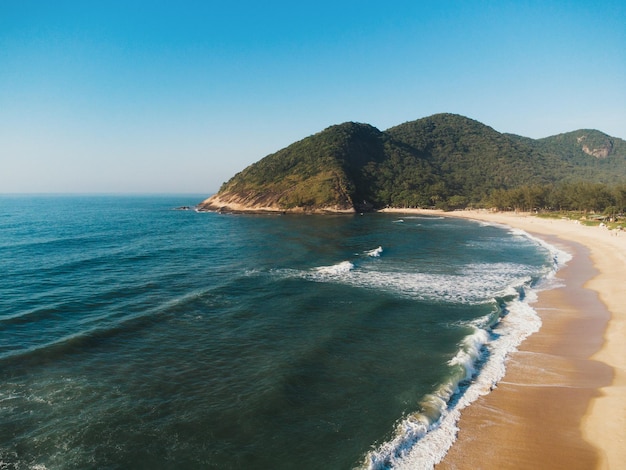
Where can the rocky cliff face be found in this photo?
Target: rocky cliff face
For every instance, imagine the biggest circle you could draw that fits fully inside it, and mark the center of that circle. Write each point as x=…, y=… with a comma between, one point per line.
x=235, y=203
x=598, y=150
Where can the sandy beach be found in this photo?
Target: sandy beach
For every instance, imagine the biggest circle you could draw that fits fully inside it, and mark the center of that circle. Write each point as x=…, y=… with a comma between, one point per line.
x=562, y=402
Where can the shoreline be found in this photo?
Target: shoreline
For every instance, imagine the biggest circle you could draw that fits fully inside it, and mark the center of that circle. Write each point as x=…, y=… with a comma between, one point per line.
x=561, y=401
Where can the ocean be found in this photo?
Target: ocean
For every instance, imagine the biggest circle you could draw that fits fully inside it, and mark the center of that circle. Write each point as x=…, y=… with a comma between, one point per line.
x=133, y=335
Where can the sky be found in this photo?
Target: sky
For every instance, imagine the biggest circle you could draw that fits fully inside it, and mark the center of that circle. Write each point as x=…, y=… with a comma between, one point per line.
x=176, y=97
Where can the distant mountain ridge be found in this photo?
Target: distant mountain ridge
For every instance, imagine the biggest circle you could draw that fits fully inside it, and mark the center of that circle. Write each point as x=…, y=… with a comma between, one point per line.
x=444, y=158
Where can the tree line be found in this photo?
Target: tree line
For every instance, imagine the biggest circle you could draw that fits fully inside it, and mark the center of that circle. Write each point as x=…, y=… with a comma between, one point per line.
x=580, y=196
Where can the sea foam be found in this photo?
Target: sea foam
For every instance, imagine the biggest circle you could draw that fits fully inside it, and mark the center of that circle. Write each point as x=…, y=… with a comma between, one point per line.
x=422, y=439
x=375, y=253
x=334, y=270
x=471, y=284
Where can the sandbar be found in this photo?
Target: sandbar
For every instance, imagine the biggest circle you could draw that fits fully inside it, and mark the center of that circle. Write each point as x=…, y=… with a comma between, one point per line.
x=562, y=401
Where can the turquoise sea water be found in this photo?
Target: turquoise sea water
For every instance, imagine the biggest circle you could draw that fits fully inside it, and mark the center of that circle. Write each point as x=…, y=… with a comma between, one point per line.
x=137, y=336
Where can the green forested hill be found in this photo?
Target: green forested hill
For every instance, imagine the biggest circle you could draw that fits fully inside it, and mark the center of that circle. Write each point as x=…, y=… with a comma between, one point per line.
x=445, y=160
x=593, y=154
x=319, y=172
x=471, y=158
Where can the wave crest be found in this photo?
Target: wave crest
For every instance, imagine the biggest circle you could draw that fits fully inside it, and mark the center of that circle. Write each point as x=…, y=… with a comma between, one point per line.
x=336, y=269
x=375, y=253
x=474, y=284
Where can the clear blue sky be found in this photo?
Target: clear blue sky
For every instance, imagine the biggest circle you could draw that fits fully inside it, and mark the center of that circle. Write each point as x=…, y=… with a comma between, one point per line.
x=177, y=96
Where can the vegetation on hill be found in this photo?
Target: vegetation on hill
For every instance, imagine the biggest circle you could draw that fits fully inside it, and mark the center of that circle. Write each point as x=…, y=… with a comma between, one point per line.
x=445, y=160
x=593, y=155
x=320, y=171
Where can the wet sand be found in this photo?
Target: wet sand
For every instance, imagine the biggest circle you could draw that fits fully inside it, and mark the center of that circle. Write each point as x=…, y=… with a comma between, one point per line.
x=562, y=402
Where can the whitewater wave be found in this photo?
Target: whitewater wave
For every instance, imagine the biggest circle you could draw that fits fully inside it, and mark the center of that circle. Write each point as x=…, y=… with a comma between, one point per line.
x=433, y=413
x=422, y=439
x=375, y=253
x=335, y=270
x=472, y=284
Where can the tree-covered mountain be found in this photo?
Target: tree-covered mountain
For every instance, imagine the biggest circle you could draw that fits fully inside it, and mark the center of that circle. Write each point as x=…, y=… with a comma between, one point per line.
x=321, y=172
x=445, y=159
x=596, y=156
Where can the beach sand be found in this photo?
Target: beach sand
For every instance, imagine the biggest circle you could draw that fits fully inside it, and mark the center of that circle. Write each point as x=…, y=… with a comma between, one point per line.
x=562, y=402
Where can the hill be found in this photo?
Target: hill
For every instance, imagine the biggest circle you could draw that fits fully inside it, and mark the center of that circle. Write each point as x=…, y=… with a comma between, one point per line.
x=316, y=174
x=442, y=159
x=594, y=155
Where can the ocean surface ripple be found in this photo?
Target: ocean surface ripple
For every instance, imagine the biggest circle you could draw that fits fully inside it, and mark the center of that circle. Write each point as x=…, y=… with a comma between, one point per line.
x=133, y=335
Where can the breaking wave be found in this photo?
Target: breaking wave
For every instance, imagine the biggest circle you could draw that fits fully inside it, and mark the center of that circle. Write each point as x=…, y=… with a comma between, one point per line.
x=422, y=438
